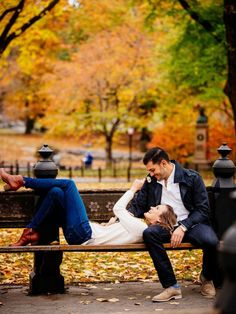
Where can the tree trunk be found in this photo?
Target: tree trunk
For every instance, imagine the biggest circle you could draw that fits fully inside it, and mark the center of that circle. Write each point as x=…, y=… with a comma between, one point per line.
x=109, y=150
x=230, y=27
x=29, y=125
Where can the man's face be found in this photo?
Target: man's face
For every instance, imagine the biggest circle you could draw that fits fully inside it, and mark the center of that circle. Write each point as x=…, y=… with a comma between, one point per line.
x=159, y=171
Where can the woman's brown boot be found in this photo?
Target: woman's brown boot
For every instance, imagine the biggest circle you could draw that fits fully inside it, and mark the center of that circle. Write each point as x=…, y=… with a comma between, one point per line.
x=29, y=236
x=14, y=182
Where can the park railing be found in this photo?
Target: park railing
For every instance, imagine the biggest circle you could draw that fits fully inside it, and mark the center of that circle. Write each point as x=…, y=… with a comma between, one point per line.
x=96, y=174
x=117, y=170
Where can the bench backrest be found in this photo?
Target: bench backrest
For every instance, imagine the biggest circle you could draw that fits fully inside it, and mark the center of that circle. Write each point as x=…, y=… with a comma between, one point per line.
x=17, y=208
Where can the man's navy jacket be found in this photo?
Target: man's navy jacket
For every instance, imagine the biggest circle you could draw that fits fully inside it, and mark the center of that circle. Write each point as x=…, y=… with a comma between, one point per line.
x=192, y=190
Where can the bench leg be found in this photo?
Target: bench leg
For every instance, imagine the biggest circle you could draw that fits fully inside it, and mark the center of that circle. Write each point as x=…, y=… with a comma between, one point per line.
x=46, y=277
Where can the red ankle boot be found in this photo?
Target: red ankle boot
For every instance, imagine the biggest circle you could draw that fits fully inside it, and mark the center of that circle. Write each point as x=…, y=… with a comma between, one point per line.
x=14, y=182
x=29, y=236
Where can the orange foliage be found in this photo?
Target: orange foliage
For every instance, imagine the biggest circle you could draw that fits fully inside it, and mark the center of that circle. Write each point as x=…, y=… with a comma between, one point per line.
x=176, y=137
x=221, y=132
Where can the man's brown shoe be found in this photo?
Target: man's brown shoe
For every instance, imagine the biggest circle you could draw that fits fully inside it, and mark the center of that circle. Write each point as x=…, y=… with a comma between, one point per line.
x=207, y=289
x=168, y=294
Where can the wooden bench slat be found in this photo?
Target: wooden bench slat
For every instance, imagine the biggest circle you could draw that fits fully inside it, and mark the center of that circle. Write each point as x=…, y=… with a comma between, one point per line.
x=89, y=248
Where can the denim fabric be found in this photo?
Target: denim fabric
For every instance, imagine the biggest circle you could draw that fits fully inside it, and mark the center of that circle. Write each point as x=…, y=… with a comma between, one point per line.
x=61, y=198
x=200, y=234
x=205, y=237
x=154, y=237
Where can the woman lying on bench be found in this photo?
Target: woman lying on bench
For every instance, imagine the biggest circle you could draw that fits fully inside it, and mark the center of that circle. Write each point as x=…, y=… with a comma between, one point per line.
x=63, y=202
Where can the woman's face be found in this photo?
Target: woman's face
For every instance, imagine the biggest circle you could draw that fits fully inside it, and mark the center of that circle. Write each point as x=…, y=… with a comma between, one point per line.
x=153, y=215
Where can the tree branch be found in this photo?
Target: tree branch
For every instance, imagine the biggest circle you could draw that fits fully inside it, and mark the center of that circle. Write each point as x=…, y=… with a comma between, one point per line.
x=13, y=9
x=197, y=18
x=5, y=39
x=17, y=10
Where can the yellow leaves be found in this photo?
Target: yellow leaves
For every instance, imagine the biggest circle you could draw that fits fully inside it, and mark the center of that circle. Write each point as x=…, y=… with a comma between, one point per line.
x=15, y=268
x=95, y=16
x=96, y=267
x=103, y=80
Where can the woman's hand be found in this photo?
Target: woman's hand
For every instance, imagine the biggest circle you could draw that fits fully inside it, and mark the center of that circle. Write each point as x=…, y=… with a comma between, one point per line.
x=137, y=185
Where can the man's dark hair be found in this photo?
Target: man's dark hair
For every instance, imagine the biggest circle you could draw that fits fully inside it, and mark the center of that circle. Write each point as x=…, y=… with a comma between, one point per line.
x=156, y=155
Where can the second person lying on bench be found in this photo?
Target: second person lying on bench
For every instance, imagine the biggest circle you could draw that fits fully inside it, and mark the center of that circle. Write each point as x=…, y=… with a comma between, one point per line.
x=63, y=202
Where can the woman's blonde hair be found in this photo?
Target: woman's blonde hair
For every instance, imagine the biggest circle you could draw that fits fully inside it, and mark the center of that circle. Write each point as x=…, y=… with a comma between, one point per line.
x=168, y=219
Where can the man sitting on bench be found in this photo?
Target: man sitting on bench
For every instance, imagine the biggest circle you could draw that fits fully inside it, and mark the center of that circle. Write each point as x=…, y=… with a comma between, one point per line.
x=184, y=190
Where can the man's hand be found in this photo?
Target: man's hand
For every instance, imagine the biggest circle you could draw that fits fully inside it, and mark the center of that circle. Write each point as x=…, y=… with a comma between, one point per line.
x=177, y=237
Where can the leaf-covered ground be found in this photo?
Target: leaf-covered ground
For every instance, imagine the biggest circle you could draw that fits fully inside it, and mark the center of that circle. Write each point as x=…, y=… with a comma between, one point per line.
x=94, y=267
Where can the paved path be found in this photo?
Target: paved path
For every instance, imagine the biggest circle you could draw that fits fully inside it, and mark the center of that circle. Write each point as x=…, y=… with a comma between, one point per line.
x=132, y=297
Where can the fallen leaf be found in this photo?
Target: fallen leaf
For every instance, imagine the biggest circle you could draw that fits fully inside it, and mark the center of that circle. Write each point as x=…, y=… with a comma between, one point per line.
x=107, y=289
x=137, y=303
x=92, y=267
x=174, y=302
x=85, y=302
x=113, y=300
x=91, y=287
x=102, y=300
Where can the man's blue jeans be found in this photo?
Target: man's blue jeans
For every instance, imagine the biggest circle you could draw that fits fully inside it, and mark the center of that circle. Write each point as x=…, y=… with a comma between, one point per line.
x=62, y=201
x=201, y=235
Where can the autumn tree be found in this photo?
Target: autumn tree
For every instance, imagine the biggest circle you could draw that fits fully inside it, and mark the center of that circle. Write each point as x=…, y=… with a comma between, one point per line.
x=228, y=17
x=176, y=134
x=105, y=84
x=24, y=97
x=29, y=58
x=18, y=16
x=204, y=53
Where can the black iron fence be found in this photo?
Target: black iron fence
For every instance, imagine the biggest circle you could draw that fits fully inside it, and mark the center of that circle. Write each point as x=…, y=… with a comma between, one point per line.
x=93, y=174
x=98, y=174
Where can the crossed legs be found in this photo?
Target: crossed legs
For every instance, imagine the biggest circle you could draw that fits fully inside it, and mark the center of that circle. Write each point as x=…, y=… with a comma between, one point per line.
x=61, y=199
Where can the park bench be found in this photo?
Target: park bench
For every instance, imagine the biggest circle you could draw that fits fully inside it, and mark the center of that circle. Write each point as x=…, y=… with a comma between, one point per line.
x=17, y=208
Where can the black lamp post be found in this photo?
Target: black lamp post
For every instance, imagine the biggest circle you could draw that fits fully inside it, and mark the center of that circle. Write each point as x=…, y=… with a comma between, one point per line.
x=130, y=133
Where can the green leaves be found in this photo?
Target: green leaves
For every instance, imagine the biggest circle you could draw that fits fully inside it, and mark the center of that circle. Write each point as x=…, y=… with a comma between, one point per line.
x=198, y=61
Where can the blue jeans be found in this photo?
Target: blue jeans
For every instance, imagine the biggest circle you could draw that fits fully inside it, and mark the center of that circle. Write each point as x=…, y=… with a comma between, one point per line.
x=62, y=201
x=201, y=235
